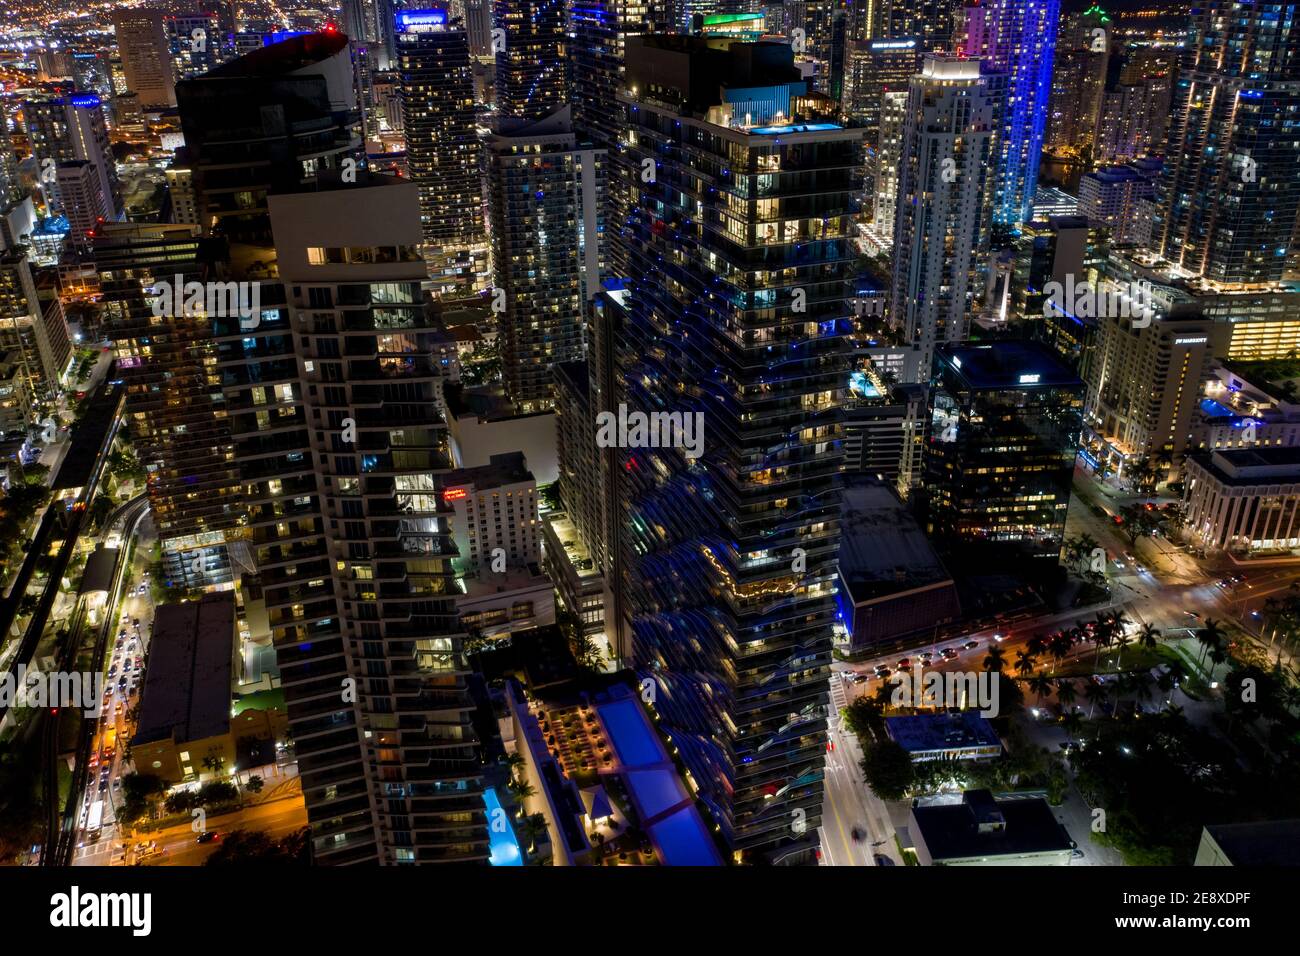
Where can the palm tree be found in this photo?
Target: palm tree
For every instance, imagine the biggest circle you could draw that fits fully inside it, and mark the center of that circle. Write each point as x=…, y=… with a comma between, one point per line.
x=1148, y=636
x=1210, y=636
x=1041, y=685
x=1094, y=693
x=1122, y=641
x=996, y=660
x=1072, y=723
x=532, y=828
x=1025, y=663
x=1059, y=646
x=522, y=789
x=1065, y=691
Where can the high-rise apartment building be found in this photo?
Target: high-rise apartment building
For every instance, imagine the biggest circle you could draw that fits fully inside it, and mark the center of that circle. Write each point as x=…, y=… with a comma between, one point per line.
x=146, y=56
x=68, y=128
x=1016, y=39
x=930, y=22
x=532, y=65
x=1078, y=81
x=270, y=120
x=162, y=340
x=736, y=320
x=33, y=327
x=1231, y=184
x=442, y=149
x=351, y=533
x=372, y=25
x=1134, y=114
x=944, y=189
x=545, y=202
x=81, y=193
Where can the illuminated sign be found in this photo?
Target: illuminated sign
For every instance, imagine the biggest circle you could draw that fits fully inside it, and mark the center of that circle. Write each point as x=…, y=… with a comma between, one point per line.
x=454, y=494
x=421, y=21
x=893, y=44
x=86, y=100
x=1195, y=340
x=1030, y=379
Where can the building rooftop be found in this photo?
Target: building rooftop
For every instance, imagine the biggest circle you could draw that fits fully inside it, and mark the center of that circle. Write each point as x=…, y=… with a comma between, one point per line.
x=882, y=548
x=981, y=826
x=949, y=730
x=1251, y=466
x=1267, y=843
x=287, y=56
x=186, y=692
x=508, y=468
x=1008, y=365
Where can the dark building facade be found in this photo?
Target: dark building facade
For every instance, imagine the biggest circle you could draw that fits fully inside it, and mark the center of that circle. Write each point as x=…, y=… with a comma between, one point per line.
x=1004, y=431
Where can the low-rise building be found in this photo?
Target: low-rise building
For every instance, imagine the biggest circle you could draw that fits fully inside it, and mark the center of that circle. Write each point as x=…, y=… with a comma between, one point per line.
x=981, y=830
x=185, y=704
x=1243, y=500
x=947, y=735
x=892, y=584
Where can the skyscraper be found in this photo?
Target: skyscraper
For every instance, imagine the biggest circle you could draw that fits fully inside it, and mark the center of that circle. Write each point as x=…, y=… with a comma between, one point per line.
x=353, y=540
x=1231, y=182
x=146, y=58
x=944, y=189
x=1016, y=38
x=1078, y=80
x=442, y=150
x=167, y=359
x=532, y=67
x=269, y=120
x=740, y=244
x=371, y=24
x=931, y=22
x=1004, y=433
x=67, y=128
x=545, y=201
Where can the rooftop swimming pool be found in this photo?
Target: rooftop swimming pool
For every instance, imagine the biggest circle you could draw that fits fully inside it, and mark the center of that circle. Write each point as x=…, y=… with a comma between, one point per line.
x=801, y=128
x=666, y=808
x=504, y=847
x=1216, y=410
x=633, y=740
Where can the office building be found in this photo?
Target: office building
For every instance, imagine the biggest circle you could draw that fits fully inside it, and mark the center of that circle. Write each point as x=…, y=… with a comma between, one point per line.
x=146, y=56
x=1243, y=500
x=442, y=149
x=81, y=193
x=270, y=120
x=944, y=191
x=532, y=68
x=545, y=208
x=736, y=639
x=1005, y=420
x=1231, y=185
x=194, y=42
x=892, y=585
